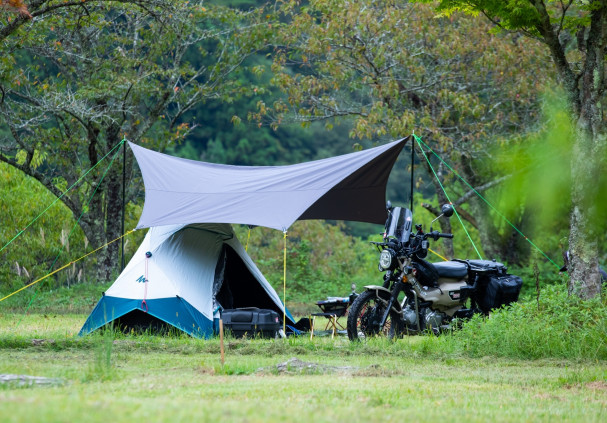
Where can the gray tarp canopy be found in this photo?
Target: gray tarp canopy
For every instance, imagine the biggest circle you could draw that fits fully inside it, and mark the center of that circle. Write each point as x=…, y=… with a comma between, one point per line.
x=347, y=187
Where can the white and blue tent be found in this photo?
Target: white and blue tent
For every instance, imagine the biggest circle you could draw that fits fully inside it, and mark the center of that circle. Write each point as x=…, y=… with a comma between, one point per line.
x=191, y=270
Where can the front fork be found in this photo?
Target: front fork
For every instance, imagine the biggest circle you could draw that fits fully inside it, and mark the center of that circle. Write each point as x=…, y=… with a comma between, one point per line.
x=398, y=287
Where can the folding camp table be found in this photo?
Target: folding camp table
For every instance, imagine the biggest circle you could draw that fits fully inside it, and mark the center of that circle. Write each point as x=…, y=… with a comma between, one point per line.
x=332, y=308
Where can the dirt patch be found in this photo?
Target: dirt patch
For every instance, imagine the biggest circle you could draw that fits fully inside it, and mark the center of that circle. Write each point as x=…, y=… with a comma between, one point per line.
x=598, y=385
x=295, y=366
x=25, y=380
x=36, y=342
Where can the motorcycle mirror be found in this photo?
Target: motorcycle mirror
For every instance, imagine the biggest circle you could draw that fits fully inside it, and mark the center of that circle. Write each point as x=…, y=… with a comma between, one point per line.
x=447, y=210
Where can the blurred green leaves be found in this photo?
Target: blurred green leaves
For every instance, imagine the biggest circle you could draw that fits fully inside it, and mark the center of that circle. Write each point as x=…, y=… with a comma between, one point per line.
x=540, y=165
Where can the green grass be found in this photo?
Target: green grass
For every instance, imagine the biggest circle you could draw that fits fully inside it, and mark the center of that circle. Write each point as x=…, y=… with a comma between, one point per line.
x=116, y=378
x=79, y=298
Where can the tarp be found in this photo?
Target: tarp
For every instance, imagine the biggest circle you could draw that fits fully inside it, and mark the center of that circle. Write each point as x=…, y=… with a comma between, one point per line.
x=347, y=187
x=193, y=270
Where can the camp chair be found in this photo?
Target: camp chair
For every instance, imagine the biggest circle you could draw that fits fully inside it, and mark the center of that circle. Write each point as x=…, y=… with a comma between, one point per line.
x=332, y=309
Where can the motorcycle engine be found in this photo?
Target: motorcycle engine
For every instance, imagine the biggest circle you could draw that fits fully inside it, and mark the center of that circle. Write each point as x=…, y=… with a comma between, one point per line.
x=409, y=316
x=434, y=319
x=430, y=319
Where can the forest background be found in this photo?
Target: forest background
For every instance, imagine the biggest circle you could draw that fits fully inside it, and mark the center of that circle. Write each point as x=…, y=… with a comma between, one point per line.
x=253, y=83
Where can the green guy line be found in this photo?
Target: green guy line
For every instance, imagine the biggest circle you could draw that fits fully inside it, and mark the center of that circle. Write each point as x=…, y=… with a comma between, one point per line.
x=447, y=195
x=488, y=203
x=61, y=196
x=73, y=229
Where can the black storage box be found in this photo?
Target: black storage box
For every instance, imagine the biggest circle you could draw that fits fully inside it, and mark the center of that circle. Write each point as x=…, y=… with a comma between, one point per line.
x=251, y=322
x=500, y=290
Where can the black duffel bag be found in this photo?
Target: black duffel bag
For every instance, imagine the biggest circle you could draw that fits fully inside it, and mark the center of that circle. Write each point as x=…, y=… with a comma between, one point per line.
x=500, y=290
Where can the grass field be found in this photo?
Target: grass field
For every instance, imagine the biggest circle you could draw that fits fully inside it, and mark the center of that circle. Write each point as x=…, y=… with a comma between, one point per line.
x=117, y=378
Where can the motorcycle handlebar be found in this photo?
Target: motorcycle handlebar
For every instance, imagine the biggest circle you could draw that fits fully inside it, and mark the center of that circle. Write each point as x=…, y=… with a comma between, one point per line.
x=436, y=235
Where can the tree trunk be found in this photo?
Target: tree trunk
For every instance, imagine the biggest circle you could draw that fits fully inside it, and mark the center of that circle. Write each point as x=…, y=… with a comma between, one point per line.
x=103, y=222
x=587, y=152
x=109, y=258
x=584, y=275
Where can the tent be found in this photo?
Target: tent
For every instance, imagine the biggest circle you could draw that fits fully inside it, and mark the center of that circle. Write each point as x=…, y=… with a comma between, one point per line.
x=347, y=187
x=191, y=270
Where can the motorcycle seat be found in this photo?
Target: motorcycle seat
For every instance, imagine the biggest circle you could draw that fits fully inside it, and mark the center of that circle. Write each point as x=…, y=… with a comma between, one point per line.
x=451, y=269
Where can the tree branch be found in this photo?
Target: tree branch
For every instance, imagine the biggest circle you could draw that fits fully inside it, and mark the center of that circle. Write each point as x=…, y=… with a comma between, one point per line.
x=463, y=213
x=481, y=188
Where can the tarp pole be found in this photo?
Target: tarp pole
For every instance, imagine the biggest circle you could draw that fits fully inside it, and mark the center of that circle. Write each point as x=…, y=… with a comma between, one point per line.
x=412, y=171
x=284, y=285
x=123, y=197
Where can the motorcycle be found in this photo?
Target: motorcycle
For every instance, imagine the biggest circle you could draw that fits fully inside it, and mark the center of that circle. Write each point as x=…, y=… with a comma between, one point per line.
x=435, y=294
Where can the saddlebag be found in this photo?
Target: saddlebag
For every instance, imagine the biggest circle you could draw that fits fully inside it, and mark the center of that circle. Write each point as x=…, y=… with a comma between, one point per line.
x=251, y=322
x=498, y=290
x=495, y=287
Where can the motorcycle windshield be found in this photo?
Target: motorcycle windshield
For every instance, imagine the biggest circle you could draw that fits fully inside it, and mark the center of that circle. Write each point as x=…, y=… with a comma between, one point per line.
x=399, y=224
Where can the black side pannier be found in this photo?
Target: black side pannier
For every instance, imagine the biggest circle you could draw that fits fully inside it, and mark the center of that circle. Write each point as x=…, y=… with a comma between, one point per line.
x=495, y=287
x=500, y=290
x=251, y=322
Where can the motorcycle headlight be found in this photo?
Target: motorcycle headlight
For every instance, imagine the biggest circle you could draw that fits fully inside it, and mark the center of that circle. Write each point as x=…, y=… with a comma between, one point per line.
x=385, y=259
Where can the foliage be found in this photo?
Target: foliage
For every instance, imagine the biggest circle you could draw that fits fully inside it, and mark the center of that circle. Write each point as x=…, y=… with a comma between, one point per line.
x=462, y=246
x=541, y=185
x=561, y=327
x=47, y=244
x=222, y=134
x=17, y=6
x=573, y=34
x=393, y=68
x=321, y=260
x=521, y=15
x=78, y=81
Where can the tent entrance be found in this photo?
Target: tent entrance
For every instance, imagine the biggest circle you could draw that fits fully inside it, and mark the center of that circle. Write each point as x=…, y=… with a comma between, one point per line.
x=139, y=321
x=237, y=287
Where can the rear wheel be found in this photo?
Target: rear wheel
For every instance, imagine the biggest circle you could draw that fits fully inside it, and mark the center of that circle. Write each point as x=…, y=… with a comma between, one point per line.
x=366, y=313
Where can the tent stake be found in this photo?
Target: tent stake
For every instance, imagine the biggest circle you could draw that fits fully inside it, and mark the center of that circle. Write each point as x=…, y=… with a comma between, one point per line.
x=221, y=341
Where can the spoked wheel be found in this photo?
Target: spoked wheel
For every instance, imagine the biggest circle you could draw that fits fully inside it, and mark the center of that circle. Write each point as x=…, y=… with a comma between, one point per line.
x=365, y=315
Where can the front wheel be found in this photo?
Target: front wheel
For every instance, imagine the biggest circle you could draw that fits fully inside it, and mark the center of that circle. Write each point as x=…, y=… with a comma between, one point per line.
x=366, y=313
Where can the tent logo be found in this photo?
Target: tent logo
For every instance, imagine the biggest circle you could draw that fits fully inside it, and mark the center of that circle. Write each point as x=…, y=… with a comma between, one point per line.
x=140, y=279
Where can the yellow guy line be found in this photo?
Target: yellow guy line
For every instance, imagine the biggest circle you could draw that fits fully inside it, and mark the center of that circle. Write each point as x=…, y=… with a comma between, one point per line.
x=433, y=252
x=67, y=265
